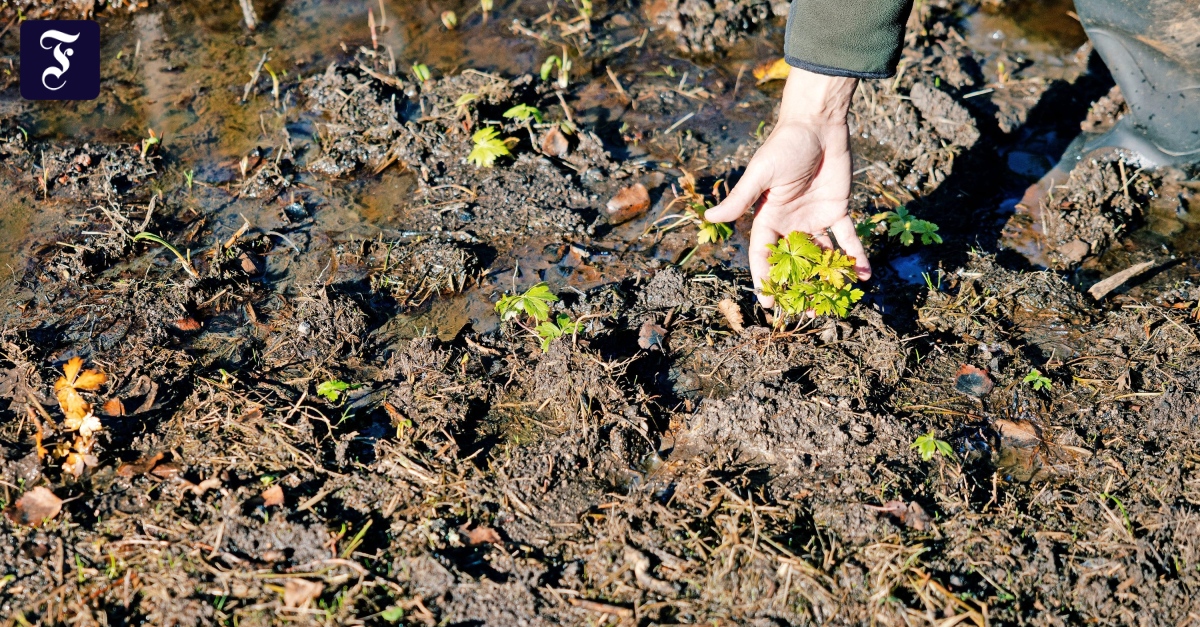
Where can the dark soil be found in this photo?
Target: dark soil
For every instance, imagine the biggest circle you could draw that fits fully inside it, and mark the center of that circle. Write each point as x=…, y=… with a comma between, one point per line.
x=679, y=459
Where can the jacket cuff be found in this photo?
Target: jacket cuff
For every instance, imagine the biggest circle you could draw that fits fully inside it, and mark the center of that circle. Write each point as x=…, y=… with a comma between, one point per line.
x=854, y=38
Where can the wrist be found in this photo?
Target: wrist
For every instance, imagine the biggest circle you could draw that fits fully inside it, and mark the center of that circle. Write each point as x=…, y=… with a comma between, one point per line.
x=810, y=98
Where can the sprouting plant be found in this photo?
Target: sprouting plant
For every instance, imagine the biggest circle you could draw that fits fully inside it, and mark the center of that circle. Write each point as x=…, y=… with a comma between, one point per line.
x=449, y=20
x=185, y=261
x=927, y=445
x=149, y=142
x=190, y=175
x=524, y=112
x=464, y=101
x=904, y=225
x=804, y=277
x=563, y=64
x=332, y=390
x=421, y=71
x=488, y=148
x=535, y=303
x=392, y=614
x=1039, y=381
x=695, y=205
x=552, y=330
x=486, y=5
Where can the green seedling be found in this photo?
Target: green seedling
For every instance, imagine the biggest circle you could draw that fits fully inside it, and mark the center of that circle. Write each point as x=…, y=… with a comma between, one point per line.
x=149, y=142
x=928, y=445
x=392, y=614
x=1039, y=381
x=803, y=278
x=332, y=390
x=421, y=71
x=906, y=227
x=183, y=260
x=550, y=331
x=463, y=103
x=563, y=65
x=190, y=175
x=535, y=303
x=524, y=112
x=488, y=148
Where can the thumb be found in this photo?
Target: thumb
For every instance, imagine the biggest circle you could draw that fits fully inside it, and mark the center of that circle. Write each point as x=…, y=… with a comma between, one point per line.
x=747, y=192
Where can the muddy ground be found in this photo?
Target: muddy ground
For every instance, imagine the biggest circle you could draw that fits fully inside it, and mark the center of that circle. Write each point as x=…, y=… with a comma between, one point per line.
x=677, y=460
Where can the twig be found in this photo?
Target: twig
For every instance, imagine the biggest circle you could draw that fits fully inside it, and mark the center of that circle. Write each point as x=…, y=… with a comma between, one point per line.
x=250, y=16
x=254, y=76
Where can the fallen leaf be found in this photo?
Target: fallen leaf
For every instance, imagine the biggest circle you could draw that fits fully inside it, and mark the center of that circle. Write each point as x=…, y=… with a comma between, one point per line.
x=166, y=470
x=200, y=488
x=113, y=407
x=911, y=514
x=628, y=204
x=300, y=593
x=35, y=507
x=651, y=335
x=772, y=71
x=67, y=388
x=483, y=535
x=555, y=144
x=187, y=324
x=732, y=313
x=1024, y=454
x=140, y=467
x=272, y=496
x=973, y=381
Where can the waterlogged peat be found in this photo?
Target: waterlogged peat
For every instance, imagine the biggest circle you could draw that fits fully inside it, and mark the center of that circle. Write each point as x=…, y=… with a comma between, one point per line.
x=252, y=370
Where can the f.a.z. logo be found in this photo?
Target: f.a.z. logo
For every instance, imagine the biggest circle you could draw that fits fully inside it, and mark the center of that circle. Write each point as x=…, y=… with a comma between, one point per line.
x=60, y=59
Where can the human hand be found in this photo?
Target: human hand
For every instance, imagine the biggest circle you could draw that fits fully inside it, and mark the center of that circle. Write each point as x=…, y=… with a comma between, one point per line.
x=800, y=177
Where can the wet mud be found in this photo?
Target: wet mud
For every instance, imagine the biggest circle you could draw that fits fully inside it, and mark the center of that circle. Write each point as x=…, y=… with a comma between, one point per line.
x=304, y=409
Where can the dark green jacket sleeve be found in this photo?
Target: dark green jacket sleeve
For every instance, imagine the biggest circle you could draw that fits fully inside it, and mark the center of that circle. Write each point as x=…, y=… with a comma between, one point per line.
x=859, y=38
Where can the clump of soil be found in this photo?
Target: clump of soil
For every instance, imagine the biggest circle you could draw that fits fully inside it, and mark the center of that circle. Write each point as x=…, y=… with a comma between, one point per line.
x=706, y=25
x=1105, y=197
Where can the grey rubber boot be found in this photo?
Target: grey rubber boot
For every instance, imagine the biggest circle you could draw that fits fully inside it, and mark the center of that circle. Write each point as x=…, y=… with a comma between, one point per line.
x=1152, y=48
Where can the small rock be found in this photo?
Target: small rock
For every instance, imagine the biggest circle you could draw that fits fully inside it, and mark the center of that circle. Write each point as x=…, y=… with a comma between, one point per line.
x=651, y=335
x=628, y=204
x=973, y=381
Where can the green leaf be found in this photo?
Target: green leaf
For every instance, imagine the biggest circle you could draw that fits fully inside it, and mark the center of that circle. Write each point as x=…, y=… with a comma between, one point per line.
x=1038, y=380
x=804, y=277
x=488, y=148
x=421, y=71
x=332, y=390
x=713, y=232
x=904, y=226
x=548, y=66
x=392, y=614
x=523, y=112
x=535, y=303
x=928, y=445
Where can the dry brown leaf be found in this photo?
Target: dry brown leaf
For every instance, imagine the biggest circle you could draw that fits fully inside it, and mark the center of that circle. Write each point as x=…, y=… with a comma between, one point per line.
x=300, y=593
x=35, y=507
x=911, y=515
x=187, y=324
x=555, y=144
x=651, y=335
x=140, y=467
x=483, y=535
x=113, y=407
x=200, y=488
x=732, y=313
x=273, y=496
x=67, y=387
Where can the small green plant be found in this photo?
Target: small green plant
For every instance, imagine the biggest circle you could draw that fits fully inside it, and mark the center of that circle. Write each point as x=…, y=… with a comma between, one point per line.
x=332, y=390
x=552, y=330
x=488, y=148
x=1039, y=381
x=905, y=226
x=711, y=232
x=804, y=277
x=928, y=445
x=184, y=260
x=535, y=303
x=149, y=142
x=392, y=614
x=563, y=65
x=190, y=175
x=524, y=112
x=421, y=71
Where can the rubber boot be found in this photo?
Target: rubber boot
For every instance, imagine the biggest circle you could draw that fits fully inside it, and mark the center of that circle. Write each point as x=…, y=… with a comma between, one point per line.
x=1152, y=49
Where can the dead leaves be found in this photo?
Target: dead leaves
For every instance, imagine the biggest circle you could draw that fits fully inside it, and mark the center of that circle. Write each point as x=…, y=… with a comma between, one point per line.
x=483, y=535
x=78, y=411
x=1025, y=454
x=35, y=507
x=651, y=335
x=272, y=496
x=772, y=71
x=628, y=204
x=911, y=514
x=732, y=313
x=300, y=593
x=973, y=381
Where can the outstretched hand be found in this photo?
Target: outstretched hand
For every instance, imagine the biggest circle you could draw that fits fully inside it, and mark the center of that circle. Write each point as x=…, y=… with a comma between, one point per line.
x=800, y=177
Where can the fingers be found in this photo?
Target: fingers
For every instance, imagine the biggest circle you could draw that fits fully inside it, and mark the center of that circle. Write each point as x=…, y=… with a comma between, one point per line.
x=760, y=268
x=847, y=238
x=747, y=192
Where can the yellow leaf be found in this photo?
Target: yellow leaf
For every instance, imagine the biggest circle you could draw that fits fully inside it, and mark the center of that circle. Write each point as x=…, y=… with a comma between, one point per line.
x=73, y=406
x=772, y=71
x=90, y=380
x=71, y=369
